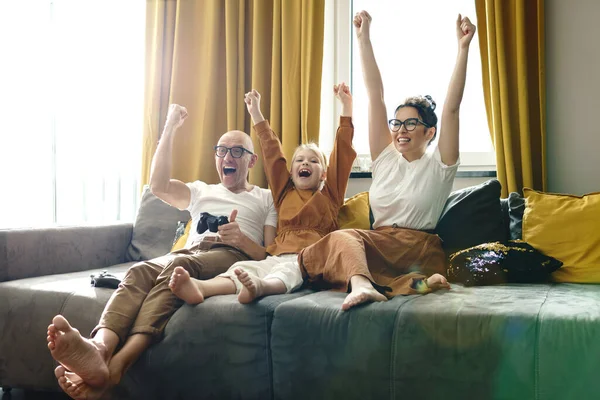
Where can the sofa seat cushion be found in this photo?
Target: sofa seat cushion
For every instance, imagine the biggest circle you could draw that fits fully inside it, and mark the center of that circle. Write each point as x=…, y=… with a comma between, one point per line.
x=27, y=307
x=219, y=349
x=322, y=352
x=517, y=341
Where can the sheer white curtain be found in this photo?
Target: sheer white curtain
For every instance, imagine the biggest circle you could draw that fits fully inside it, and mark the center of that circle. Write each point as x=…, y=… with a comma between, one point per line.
x=71, y=109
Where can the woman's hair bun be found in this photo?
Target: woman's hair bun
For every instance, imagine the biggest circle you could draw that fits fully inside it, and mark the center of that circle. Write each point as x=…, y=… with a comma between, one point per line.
x=432, y=104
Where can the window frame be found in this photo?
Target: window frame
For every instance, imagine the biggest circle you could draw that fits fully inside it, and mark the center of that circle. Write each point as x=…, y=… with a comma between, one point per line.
x=337, y=67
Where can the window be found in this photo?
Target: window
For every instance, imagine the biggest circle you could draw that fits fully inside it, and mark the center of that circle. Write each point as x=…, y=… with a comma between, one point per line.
x=416, y=51
x=71, y=109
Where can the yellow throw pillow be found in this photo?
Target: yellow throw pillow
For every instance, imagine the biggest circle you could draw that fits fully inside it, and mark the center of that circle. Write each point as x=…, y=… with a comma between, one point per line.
x=180, y=243
x=354, y=214
x=567, y=228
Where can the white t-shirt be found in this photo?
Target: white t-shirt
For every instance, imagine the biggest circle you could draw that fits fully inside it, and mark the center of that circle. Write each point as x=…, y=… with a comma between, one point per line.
x=409, y=194
x=255, y=209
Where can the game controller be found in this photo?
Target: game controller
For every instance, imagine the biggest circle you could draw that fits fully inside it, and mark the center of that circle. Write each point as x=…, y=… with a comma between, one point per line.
x=210, y=222
x=105, y=280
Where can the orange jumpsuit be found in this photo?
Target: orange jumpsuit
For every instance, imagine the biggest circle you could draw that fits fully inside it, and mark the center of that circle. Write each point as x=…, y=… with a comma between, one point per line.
x=305, y=216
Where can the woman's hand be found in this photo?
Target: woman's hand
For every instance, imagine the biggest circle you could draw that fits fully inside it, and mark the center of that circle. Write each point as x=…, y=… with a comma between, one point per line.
x=362, y=24
x=465, y=31
x=342, y=92
x=252, y=100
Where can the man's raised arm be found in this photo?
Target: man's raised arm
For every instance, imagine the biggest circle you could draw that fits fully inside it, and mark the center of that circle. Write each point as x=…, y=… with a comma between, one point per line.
x=171, y=191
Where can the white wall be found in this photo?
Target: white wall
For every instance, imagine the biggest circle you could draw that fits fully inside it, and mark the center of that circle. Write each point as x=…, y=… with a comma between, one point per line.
x=573, y=95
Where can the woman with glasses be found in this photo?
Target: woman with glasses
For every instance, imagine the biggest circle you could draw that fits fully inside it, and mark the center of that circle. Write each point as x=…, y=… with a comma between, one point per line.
x=409, y=189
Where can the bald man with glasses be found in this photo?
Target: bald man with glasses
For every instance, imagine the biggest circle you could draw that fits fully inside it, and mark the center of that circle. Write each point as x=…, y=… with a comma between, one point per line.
x=138, y=311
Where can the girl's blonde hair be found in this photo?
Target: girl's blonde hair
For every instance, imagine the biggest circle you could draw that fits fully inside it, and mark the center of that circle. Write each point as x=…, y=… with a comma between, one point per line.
x=315, y=149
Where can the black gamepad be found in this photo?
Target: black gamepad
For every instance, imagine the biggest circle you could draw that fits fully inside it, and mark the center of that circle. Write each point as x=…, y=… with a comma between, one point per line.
x=105, y=280
x=210, y=222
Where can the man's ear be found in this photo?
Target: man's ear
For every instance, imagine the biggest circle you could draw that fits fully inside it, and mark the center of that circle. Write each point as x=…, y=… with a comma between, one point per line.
x=253, y=159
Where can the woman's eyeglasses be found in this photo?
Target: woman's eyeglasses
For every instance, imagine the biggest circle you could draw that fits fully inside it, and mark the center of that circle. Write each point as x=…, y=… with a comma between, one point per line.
x=410, y=124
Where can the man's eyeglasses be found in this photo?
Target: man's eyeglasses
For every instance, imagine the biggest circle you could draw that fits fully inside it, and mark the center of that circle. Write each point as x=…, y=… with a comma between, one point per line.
x=236, y=151
x=410, y=124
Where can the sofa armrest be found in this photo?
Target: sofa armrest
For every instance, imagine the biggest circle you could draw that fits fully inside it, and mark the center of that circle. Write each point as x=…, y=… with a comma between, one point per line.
x=33, y=252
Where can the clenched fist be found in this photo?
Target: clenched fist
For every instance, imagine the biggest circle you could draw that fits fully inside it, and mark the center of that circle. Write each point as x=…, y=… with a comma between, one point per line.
x=362, y=24
x=465, y=31
x=252, y=100
x=176, y=115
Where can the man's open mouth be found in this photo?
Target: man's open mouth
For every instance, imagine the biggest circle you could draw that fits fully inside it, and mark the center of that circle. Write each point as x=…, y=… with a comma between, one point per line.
x=304, y=173
x=228, y=171
x=403, y=140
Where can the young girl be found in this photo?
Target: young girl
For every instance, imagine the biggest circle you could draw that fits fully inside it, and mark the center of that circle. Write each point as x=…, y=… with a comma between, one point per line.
x=307, y=199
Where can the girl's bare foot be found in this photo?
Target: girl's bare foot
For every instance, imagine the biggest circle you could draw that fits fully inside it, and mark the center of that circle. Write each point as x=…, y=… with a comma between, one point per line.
x=184, y=287
x=437, y=281
x=85, y=357
x=252, y=286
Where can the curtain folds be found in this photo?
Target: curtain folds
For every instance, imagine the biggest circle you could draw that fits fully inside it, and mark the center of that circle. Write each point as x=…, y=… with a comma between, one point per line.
x=512, y=41
x=206, y=55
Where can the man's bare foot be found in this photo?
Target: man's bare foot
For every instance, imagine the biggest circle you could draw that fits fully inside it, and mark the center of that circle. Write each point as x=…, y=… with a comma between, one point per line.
x=184, y=287
x=88, y=359
x=437, y=281
x=252, y=286
x=77, y=389
x=361, y=295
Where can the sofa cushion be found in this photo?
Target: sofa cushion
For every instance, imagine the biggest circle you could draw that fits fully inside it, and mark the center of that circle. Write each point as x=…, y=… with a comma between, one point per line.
x=322, y=352
x=516, y=208
x=154, y=229
x=493, y=263
x=472, y=216
x=26, y=253
x=221, y=346
x=481, y=342
x=181, y=235
x=354, y=214
x=565, y=227
x=27, y=307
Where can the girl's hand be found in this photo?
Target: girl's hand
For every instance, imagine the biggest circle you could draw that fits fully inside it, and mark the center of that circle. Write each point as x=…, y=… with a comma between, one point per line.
x=342, y=92
x=252, y=100
x=362, y=24
x=465, y=31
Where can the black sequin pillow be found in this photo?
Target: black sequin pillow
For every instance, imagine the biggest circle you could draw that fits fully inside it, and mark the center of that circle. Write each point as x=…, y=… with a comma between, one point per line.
x=493, y=263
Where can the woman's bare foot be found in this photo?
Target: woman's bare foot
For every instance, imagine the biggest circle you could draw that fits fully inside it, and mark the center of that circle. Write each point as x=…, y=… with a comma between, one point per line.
x=88, y=359
x=252, y=286
x=437, y=281
x=184, y=287
x=360, y=295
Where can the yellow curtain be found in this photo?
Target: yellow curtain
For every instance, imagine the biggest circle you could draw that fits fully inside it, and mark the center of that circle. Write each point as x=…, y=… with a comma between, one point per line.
x=511, y=39
x=206, y=54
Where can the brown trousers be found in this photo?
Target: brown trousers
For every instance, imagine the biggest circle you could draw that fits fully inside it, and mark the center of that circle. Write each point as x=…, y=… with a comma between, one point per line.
x=391, y=258
x=143, y=302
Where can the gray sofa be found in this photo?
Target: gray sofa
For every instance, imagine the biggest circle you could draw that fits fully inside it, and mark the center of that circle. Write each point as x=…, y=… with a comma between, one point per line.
x=498, y=342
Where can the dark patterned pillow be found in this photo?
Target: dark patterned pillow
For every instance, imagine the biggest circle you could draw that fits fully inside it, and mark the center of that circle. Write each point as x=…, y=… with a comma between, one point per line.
x=493, y=263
